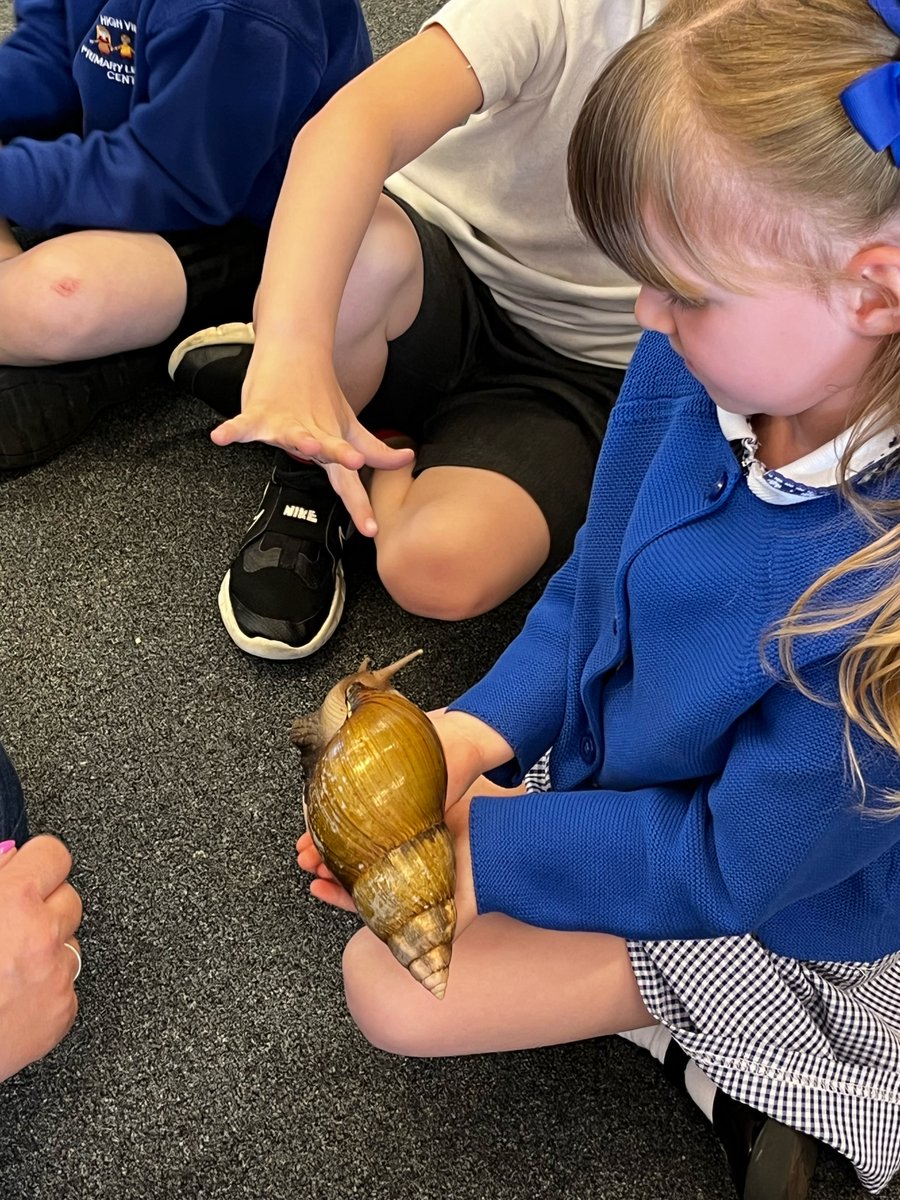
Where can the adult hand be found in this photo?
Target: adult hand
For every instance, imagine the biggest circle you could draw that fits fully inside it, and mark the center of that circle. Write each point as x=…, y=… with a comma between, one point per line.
x=297, y=404
x=39, y=913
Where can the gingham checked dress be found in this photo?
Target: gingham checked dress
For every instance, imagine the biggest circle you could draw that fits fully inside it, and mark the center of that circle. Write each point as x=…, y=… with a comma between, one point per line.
x=816, y=1045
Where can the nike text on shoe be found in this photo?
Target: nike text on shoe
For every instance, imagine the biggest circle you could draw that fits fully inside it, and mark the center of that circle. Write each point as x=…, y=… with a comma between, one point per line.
x=212, y=364
x=284, y=593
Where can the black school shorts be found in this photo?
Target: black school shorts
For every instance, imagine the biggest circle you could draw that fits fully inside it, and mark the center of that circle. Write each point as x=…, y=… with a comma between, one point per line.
x=476, y=390
x=222, y=267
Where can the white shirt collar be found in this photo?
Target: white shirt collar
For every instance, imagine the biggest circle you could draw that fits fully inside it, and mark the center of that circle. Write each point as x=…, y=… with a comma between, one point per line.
x=807, y=478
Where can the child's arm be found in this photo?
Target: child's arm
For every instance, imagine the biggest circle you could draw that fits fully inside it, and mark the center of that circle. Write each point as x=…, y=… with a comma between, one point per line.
x=37, y=92
x=190, y=154
x=372, y=127
x=721, y=856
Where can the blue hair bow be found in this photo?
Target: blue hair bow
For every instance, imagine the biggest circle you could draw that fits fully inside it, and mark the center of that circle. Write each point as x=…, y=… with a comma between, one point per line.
x=872, y=102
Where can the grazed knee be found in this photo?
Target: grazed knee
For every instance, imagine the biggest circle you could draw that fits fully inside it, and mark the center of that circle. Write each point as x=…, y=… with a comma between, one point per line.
x=66, y=286
x=46, y=319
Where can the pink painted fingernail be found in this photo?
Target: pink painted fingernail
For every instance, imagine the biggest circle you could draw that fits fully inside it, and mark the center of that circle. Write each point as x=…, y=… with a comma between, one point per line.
x=5, y=847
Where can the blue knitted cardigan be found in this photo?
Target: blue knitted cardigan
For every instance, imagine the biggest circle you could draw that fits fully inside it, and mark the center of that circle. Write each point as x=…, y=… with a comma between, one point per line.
x=694, y=793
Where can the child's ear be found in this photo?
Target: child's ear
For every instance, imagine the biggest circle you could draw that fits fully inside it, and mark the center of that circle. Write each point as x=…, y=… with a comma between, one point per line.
x=875, y=307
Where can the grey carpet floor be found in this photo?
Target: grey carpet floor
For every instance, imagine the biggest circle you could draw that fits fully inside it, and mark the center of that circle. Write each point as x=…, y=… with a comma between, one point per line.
x=213, y=1056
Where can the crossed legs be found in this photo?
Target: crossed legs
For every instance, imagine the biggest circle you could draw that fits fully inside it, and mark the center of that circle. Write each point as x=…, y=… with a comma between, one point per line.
x=455, y=541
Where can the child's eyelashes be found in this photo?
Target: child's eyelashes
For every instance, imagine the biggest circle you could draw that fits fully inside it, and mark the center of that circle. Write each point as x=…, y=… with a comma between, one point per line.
x=691, y=303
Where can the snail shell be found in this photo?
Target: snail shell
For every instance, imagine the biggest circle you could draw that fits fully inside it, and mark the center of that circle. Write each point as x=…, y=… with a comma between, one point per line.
x=374, y=809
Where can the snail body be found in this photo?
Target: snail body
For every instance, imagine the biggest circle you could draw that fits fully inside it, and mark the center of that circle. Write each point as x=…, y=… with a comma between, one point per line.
x=374, y=810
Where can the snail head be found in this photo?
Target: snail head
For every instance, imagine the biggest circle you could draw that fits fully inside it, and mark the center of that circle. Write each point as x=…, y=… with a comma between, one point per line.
x=312, y=733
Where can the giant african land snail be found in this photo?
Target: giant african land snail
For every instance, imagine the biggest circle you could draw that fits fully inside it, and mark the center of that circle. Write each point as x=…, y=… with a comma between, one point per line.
x=376, y=783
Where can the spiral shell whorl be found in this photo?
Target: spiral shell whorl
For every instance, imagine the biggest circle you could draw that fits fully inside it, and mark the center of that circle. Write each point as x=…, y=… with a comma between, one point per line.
x=419, y=931
x=379, y=782
x=375, y=812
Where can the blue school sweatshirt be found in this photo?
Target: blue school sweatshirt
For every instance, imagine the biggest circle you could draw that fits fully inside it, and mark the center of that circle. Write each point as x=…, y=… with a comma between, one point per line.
x=695, y=794
x=181, y=113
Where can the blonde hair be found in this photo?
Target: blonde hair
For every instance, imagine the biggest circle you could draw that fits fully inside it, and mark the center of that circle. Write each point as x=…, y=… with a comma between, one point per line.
x=723, y=121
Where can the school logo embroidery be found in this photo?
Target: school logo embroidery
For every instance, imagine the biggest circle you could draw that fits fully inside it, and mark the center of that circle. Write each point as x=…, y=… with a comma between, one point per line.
x=114, y=42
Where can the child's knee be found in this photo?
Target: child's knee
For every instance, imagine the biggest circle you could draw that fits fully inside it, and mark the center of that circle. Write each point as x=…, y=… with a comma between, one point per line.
x=372, y=985
x=48, y=312
x=435, y=576
x=388, y=263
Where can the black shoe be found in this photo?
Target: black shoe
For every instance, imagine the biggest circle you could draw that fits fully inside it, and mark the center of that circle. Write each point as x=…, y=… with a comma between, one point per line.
x=284, y=594
x=768, y=1160
x=212, y=363
x=44, y=409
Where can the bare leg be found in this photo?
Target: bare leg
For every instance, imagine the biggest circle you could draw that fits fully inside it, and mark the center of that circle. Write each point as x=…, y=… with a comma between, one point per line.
x=9, y=247
x=381, y=300
x=88, y=294
x=443, y=551
x=512, y=986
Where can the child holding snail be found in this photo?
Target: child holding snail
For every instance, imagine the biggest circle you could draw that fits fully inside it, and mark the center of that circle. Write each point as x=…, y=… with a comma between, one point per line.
x=709, y=858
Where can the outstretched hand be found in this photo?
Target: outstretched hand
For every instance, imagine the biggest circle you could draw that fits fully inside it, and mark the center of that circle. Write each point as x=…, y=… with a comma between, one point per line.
x=304, y=412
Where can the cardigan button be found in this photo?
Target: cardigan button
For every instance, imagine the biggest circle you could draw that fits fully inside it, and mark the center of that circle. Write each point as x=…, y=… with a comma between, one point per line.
x=718, y=487
x=588, y=748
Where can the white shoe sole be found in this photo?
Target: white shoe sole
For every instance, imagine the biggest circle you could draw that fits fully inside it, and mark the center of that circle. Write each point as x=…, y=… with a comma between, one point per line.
x=234, y=333
x=280, y=651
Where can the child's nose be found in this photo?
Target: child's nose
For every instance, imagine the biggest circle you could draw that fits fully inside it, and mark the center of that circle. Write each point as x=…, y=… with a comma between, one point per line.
x=652, y=311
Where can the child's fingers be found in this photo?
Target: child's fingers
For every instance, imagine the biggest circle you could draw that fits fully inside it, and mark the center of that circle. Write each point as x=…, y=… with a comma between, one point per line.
x=381, y=456
x=332, y=893
x=349, y=487
x=309, y=859
x=325, y=449
x=237, y=429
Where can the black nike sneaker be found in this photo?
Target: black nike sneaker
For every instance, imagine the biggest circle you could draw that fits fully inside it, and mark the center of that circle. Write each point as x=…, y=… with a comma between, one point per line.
x=284, y=594
x=212, y=363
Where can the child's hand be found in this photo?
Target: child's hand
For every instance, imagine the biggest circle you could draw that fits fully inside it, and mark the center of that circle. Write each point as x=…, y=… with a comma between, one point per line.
x=324, y=887
x=294, y=405
x=470, y=749
x=458, y=823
